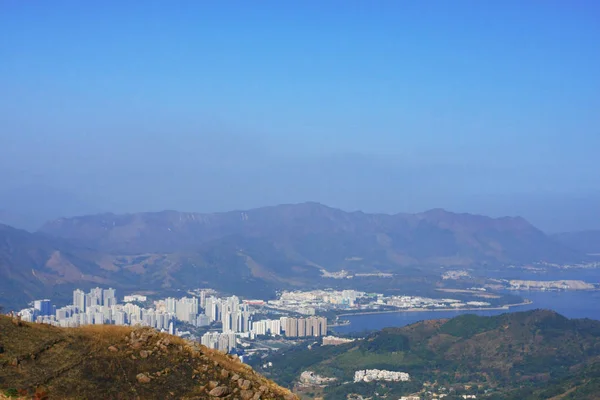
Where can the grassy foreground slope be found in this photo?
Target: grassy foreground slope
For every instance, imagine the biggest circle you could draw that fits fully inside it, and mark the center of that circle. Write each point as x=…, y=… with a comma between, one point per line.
x=109, y=362
x=528, y=355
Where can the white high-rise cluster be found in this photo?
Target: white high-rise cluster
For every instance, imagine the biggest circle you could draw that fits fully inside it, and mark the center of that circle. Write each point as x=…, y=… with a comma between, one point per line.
x=267, y=327
x=220, y=341
x=100, y=306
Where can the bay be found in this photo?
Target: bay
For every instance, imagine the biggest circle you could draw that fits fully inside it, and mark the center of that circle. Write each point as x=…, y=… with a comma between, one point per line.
x=571, y=304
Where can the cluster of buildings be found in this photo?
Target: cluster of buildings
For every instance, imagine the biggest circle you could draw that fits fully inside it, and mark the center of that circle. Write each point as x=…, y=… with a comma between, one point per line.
x=304, y=327
x=100, y=306
x=309, y=302
x=311, y=378
x=371, y=375
x=417, y=302
x=285, y=326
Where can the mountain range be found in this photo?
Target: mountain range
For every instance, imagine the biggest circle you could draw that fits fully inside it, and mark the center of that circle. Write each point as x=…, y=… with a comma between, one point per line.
x=257, y=251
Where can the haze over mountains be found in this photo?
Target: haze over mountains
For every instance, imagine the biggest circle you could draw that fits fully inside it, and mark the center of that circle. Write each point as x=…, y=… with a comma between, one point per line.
x=584, y=241
x=322, y=235
x=257, y=250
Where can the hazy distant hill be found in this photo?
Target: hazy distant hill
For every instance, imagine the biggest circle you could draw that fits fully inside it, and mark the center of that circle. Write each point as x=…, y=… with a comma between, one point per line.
x=35, y=265
x=116, y=362
x=585, y=241
x=318, y=235
x=528, y=355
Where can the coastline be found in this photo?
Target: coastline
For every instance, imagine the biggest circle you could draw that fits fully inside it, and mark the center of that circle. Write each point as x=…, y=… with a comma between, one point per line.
x=504, y=307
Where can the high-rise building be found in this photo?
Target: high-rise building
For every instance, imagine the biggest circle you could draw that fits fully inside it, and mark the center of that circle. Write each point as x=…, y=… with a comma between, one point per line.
x=202, y=320
x=322, y=326
x=291, y=327
x=274, y=327
x=212, y=308
x=227, y=319
x=301, y=327
x=202, y=298
x=109, y=297
x=79, y=300
x=96, y=297
x=43, y=307
x=171, y=305
x=120, y=318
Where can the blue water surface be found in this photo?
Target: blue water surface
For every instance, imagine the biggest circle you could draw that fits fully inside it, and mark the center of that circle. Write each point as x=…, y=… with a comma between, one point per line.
x=572, y=304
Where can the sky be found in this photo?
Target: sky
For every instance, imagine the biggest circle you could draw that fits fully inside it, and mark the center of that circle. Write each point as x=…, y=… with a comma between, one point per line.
x=382, y=106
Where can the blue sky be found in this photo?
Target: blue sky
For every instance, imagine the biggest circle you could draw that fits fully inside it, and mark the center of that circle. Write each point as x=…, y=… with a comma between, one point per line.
x=489, y=107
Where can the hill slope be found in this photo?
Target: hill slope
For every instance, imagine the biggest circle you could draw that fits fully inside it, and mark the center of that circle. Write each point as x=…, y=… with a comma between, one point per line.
x=529, y=355
x=108, y=362
x=35, y=265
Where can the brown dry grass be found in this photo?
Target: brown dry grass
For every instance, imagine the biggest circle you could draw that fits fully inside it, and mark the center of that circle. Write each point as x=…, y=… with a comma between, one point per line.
x=103, y=362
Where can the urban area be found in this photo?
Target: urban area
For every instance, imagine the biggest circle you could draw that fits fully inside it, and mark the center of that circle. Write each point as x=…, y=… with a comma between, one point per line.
x=230, y=324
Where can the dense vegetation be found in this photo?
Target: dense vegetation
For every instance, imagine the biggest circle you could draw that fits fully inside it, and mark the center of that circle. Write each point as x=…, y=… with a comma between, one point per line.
x=530, y=355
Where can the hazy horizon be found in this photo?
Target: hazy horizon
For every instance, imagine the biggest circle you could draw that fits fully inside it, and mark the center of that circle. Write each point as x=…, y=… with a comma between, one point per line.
x=380, y=107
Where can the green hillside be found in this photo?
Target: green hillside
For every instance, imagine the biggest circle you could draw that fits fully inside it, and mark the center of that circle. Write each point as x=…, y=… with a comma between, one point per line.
x=530, y=355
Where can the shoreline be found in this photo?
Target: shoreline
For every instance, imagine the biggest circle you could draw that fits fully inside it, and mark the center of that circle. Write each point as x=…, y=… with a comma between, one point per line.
x=504, y=307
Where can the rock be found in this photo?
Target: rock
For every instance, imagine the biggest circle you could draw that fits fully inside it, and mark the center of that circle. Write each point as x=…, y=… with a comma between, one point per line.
x=213, y=384
x=144, y=353
x=224, y=373
x=256, y=396
x=245, y=384
x=246, y=394
x=235, y=377
x=133, y=357
x=290, y=396
x=219, y=391
x=136, y=345
x=112, y=349
x=142, y=378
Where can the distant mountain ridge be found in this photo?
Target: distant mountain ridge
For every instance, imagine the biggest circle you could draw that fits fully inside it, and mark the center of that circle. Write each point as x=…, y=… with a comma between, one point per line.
x=436, y=236
x=35, y=265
